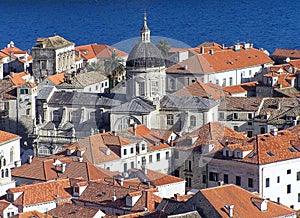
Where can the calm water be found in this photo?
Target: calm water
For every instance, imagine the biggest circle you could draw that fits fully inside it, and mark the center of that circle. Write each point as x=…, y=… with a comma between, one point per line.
x=267, y=24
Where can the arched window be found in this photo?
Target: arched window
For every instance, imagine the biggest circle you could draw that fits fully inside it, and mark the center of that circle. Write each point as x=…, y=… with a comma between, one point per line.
x=2, y=173
x=123, y=124
x=4, y=162
x=192, y=121
x=12, y=152
x=6, y=173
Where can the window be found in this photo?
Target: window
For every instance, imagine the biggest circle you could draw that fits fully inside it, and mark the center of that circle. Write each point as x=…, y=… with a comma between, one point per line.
x=203, y=178
x=158, y=157
x=141, y=89
x=292, y=206
x=132, y=164
x=249, y=133
x=23, y=91
x=267, y=182
x=188, y=182
x=131, y=150
x=226, y=178
x=188, y=165
x=262, y=130
x=250, y=182
x=249, y=116
x=28, y=111
x=74, y=116
x=150, y=158
x=170, y=119
x=125, y=167
x=224, y=82
x=235, y=128
x=176, y=154
x=172, y=84
x=43, y=65
x=235, y=116
x=213, y=176
x=288, y=171
x=125, y=151
x=12, y=154
x=298, y=176
x=250, y=123
x=298, y=197
x=192, y=121
x=278, y=200
x=154, y=88
x=143, y=160
x=6, y=173
x=288, y=189
x=278, y=179
x=4, y=162
x=167, y=155
x=221, y=116
x=56, y=116
x=230, y=81
x=143, y=147
x=238, y=180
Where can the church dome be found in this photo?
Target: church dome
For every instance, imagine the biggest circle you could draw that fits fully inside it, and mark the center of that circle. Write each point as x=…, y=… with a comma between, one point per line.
x=145, y=53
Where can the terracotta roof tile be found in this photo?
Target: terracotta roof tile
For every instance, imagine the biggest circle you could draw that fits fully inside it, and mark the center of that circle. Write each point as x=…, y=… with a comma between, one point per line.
x=6, y=137
x=211, y=133
x=282, y=52
x=74, y=211
x=221, y=60
x=240, y=104
x=244, y=87
x=18, y=78
x=42, y=192
x=57, y=78
x=200, y=89
x=4, y=204
x=220, y=196
x=30, y=214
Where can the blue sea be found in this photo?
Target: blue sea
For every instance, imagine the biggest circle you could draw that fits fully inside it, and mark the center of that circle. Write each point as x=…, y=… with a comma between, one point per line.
x=267, y=24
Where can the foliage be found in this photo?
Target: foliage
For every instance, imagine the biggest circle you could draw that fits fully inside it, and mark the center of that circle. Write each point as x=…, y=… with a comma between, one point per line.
x=164, y=47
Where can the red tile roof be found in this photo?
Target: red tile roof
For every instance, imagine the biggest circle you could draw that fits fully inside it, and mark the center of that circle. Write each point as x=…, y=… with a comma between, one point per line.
x=221, y=60
x=203, y=90
x=74, y=211
x=242, y=200
x=98, y=51
x=6, y=137
x=282, y=52
x=42, y=192
x=17, y=78
x=43, y=169
x=150, y=136
x=211, y=133
x=57, y=79
x=244, y=87
x=240, y=104
x=4, y=204
x=31, y=214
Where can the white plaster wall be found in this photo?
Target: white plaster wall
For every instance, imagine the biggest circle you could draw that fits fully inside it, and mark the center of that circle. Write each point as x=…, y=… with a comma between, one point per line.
x=272, y=171
x=169, y=190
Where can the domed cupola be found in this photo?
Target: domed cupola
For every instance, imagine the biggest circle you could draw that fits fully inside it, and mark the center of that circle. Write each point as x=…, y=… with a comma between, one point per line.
x=145, y=54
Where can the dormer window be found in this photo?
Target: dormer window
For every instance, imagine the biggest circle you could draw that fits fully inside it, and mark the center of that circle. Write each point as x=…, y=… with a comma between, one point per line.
x=23, y=91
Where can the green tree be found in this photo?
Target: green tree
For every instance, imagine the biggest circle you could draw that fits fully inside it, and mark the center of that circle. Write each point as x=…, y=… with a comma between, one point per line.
x=93, y=66
x=113, y=68
x=164, y=47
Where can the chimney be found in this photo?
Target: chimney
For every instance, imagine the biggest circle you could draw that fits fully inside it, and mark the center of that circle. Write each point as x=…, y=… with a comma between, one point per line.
x=274, y=132
x=114, y=133
x=102, y=131
x=121, y=181
x=134, y=129
x=202, y=50
x=144, y=169
x=29, y=159
x=230, y=207
x=185, y=67
x=114, y=197
x=107, y=152
x=237, y=47
x=211, y=51
x=223, y=46
x=80, y=159
x=63, y=167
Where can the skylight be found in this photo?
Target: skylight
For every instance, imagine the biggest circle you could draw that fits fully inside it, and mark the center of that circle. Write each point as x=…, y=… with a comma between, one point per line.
x=291, y=149
x=252, y=155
